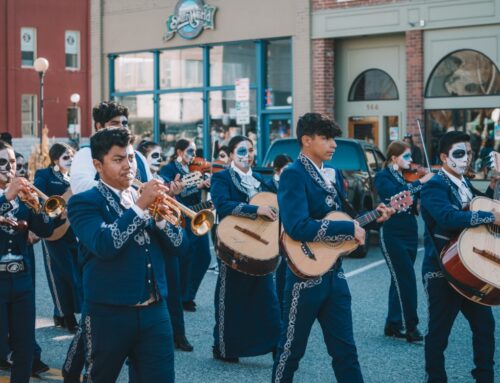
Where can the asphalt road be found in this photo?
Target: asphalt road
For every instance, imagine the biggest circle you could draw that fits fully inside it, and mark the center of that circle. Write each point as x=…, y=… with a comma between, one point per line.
x=383, y=360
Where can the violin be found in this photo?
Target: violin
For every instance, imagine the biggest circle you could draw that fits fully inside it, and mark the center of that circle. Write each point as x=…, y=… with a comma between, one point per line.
x=14, y=224
x=199, y=164
x=415, y=172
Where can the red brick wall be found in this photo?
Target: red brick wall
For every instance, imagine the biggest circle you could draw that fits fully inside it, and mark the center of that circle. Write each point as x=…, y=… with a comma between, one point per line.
x=332, y=4
x=323, y=84
x=414, y=81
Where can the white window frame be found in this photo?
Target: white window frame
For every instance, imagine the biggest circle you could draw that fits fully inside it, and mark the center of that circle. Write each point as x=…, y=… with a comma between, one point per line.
x=79, y=50
x=35, y=116
x=34, y=44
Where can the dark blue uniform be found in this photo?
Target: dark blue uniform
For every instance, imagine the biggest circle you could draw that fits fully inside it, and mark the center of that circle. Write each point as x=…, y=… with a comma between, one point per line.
x=17, y=293
x=304, y=200
x=247, y=314
x=123, y=266
x=399, y=242
x=60, y=257
x=444, y=216
x=194, y=264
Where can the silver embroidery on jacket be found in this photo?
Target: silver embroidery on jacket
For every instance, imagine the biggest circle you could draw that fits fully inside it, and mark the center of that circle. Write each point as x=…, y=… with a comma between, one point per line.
x=322, y=237
x=477, y=220
x=238, y=210
x=174, y=234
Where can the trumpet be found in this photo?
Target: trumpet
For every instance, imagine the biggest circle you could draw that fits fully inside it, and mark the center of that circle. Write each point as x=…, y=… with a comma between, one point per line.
x=168, y=208
x=53, y=206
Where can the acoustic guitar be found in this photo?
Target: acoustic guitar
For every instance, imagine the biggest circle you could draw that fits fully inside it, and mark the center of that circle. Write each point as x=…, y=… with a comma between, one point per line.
x=310, y=260
x=61, y=230
x=250, y=246
x=471, y=263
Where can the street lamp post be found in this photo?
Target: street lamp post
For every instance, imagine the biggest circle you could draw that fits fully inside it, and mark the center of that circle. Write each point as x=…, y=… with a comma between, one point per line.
x=74, y=133
x=41, y=65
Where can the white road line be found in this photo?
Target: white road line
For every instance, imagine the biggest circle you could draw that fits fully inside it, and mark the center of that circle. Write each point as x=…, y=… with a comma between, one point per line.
x=44, y=322
x=63, y=337
x=370, y=266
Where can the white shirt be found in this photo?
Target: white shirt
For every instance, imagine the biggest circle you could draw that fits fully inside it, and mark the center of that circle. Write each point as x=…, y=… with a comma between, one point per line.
x=247, y=180
x=463, y=190
x=328, y=174
x=83, y=171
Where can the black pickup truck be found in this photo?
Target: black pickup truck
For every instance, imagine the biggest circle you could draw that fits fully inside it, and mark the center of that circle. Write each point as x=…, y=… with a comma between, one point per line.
x=358, y=160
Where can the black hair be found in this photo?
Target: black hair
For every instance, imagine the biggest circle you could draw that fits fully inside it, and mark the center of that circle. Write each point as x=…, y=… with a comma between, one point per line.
x=107, y=110
x=490, y=143
x=6, y=137
x=311, y=124
x=450, y=138
x=5, y=145
x=102, y=141
x=146, y=146
x=280, y=161
x=182, y=144
x=57, y=150
x=235, y=141
x=225, y=149
x=19, y=155
x=199, y=152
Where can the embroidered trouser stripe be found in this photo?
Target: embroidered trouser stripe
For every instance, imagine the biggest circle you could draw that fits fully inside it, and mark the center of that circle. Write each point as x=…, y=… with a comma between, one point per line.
x=76, y=344
x=222, y=297
x=55, y=294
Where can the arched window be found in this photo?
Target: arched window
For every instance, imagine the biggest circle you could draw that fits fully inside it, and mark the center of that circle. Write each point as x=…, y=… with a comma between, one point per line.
x=464, y=73
x=373, y=84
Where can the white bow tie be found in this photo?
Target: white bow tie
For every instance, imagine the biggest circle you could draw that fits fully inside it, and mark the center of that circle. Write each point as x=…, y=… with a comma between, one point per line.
x=126, y=198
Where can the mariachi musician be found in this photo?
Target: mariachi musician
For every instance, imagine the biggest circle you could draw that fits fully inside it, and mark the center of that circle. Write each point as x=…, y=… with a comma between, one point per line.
x=399, y=240
x=247, y=314
x=61, y=255
x=444, y=201
x=194, y=264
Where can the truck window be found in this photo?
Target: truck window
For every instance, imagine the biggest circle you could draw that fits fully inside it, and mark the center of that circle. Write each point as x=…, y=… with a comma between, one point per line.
x=380, y=159
x=371, y=160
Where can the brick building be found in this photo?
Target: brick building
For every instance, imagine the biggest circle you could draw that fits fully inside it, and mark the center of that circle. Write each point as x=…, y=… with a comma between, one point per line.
x=375, y=65
x=59, y=31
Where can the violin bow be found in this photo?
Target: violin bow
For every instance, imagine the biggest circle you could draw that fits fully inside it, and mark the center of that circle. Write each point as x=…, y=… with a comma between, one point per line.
x=423, y=144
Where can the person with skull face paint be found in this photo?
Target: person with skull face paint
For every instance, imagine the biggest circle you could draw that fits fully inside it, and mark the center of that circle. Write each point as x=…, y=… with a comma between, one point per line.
x=399, y=240
x=444, y=201
x=193, y=265
x=61, y=256
x=17, y=295
x=247, y=313
x=152, y=153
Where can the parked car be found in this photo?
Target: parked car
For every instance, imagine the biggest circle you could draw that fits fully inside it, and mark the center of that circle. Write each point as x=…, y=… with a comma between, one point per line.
x=358, y=160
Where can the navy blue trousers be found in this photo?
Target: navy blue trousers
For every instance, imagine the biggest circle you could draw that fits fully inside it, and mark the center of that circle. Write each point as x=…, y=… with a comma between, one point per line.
x=194, y=264
x=17, y=301
x=174, y=298
x=61, y=267
x=400, y=251
x=444, y=305
x=327, y=299
x=280, y=275
x=142, y=334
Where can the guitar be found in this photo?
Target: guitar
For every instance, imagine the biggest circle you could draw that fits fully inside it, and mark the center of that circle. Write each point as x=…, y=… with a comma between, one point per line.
x=471, y=262
x=313, y=259
x=192, y=179
x=249, y=245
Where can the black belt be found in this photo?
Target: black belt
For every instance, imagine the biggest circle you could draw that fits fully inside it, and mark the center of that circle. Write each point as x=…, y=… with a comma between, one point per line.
x=12, y=267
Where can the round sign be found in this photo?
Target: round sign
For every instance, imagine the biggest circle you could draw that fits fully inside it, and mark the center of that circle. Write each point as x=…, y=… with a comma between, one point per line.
x=188, y=12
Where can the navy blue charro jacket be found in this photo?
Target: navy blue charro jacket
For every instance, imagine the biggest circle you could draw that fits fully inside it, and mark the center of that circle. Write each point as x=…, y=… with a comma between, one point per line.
x=444, y=216
x=117, y=247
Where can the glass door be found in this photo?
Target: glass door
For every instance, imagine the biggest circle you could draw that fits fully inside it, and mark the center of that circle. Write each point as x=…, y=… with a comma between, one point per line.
x=276, y=126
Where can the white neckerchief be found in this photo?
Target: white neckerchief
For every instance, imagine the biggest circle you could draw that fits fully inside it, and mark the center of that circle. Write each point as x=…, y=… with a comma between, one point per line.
x=463, y=189
x=184, y=167
x=248, y=181
x=328, y=174
x=127, y=197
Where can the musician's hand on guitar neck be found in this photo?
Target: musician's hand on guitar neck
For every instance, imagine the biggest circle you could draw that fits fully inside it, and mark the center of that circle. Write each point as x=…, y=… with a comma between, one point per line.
x=175, y=186
x=494, y=179
x=385, y=211
x=359, y=233
x=497, y=217
x=267, y=212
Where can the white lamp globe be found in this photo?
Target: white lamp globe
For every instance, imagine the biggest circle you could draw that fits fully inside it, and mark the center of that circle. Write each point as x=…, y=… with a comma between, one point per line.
x=75, y=98
x=41, y=65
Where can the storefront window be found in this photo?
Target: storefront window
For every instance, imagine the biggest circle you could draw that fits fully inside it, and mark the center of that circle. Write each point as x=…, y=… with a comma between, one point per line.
x=478, y=123
x=231, y=62
x=134, y=72
x=223, y=123
x=140, y=115
x=181, y=116
x=181, y=68
x=464, y=73
x=373, y=84
x=279, y=73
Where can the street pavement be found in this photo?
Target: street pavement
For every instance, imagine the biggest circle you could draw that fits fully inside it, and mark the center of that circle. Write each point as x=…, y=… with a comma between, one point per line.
x=383, y=360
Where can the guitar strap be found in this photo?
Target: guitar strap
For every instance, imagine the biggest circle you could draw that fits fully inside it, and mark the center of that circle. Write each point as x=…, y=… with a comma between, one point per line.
x=346, y=205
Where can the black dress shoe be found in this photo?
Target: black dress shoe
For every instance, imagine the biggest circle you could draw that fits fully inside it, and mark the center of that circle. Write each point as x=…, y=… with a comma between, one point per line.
x=414, y=336
x=218, y=356
x=38, y=367
x=181, y=343
x=59, y=321
x=391, y=330
x=189, y=306
x=5, y=365
x=70, y=323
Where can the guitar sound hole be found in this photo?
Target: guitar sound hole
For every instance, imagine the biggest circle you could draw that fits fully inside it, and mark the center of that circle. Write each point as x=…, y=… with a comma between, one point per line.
x=494, y=230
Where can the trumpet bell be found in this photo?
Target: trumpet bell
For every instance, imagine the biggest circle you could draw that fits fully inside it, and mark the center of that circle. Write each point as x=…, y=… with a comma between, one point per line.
x=202, y=222
x=54, y=206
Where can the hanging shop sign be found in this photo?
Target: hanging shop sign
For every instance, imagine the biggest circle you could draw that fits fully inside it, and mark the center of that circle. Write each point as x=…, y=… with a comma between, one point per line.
x=190, y=19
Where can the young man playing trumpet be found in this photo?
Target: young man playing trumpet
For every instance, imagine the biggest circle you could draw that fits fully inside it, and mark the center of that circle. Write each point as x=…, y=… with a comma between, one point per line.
x=124, y=285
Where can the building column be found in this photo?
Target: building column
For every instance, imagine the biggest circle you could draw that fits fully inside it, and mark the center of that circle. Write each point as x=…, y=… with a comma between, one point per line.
x=414, y=82
x=323, y=90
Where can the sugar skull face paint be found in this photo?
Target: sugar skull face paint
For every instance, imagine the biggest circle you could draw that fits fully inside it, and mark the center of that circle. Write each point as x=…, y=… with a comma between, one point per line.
x=243, y=155
x=188, y=154
x=7, y=165
x=404, y=160
x=66, y=160
x=458, y=158
x=154, y=159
